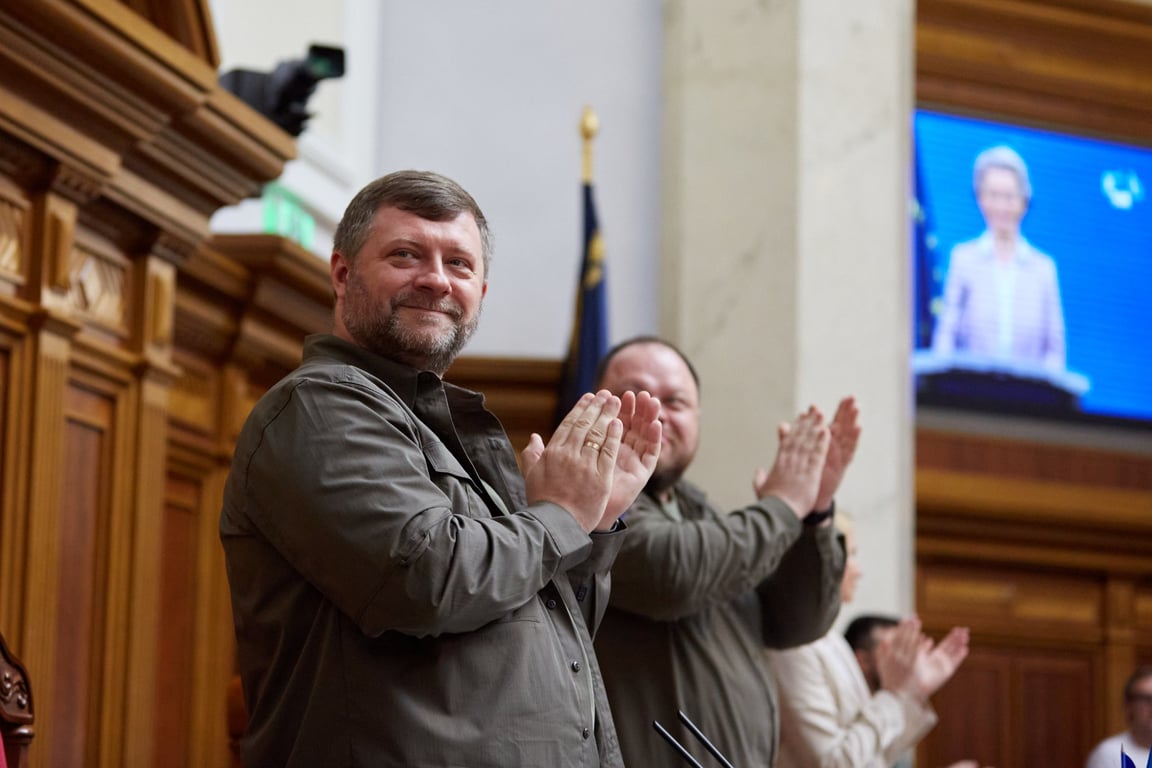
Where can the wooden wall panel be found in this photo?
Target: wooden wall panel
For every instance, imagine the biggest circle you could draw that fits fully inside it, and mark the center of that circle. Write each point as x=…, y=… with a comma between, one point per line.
x=81, y=581
x=976, y=704
x=1057, y=711
x=116, y=146
x=1015, y=705
x=175, y=666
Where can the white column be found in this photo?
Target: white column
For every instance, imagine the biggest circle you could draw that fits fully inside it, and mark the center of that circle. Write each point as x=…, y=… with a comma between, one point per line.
x=785, y=244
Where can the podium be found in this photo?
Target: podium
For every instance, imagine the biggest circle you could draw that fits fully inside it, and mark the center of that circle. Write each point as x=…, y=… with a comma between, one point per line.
x=995, y=384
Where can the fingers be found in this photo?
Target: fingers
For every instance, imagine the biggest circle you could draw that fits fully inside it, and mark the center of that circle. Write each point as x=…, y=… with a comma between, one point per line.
x=809, y=432
x=627, y=409
x=647, y=409
x=606, y=461
x=847, y=414
x=845, y=428
x=759, y=478
x=531, y=453
x=597, y=434
x=906, y=641
x=955, y=644
x=586, y=425
x=563, y=433
x=644, y=431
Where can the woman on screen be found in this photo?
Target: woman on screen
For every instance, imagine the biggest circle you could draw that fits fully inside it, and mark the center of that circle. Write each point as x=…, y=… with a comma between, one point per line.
x=1001, y=296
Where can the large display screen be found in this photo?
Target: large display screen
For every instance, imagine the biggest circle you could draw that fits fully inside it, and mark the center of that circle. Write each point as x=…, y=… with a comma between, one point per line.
x=1033, y=259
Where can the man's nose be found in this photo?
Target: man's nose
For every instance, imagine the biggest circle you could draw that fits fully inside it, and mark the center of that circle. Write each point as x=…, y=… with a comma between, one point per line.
x=432, y=277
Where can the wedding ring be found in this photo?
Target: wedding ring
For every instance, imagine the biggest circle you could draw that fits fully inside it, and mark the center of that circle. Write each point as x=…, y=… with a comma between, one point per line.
x=592, y=443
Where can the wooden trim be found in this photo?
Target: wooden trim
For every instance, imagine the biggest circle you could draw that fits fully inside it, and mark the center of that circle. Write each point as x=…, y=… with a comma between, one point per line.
x=1078, y=64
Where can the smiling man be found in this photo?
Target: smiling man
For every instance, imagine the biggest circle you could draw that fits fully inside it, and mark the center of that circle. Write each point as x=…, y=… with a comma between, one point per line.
x=403, y=595
x=698, y=594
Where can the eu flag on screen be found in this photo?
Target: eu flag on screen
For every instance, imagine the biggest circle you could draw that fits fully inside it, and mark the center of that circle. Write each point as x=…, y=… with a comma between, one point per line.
x=927, y=265
x=589, y=339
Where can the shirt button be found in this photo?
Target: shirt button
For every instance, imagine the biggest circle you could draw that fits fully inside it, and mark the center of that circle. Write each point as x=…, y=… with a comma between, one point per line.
x=575, y=666
x=585, y=733
x=550, y=604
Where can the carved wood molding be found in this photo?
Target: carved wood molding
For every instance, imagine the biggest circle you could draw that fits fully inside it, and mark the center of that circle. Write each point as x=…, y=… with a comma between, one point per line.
x=1006, y=457
x=251, y=299
x=1082, y=64
x=97, y=87
x=188, y=22
x=985, y=518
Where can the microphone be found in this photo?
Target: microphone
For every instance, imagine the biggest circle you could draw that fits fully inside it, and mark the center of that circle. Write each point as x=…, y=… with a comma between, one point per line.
x=682, y=751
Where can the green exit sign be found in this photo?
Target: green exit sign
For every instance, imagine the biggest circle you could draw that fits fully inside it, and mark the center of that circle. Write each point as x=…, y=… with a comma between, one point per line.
x=284, y=215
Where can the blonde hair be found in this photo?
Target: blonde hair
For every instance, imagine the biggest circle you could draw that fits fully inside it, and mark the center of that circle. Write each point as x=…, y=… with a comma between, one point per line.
x=844, y=524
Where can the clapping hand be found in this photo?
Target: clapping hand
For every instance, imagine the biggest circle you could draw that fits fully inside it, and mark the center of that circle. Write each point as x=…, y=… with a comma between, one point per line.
x=799, y=464
x=639, y=452
x=844, y=432
x=598, y=459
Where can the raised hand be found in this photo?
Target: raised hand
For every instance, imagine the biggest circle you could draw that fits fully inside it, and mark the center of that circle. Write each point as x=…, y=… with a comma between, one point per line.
x=845, y=435
x=639, y=451
x=896, y=657
x=575, y=469
x=795, y=474
x=936, y=665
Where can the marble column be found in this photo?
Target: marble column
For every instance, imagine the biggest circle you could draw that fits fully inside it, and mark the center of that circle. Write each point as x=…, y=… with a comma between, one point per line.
x=785, y=260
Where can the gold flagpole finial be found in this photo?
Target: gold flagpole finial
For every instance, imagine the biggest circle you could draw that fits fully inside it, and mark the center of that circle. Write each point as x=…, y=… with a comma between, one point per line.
x=589, y=126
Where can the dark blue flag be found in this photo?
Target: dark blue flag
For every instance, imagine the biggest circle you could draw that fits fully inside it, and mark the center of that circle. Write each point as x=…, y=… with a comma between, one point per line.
x=927, y=268
x=589, y=339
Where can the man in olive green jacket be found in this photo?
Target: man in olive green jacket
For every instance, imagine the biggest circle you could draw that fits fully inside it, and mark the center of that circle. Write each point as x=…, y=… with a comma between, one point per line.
x=697, y=594
x=402, y=595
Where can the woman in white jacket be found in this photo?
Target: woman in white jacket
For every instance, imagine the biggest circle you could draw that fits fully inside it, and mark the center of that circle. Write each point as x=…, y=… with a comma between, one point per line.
x=833, y=716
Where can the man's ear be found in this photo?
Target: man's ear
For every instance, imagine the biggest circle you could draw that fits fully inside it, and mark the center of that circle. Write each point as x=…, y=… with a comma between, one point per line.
x=338, y=268
x=484, y=289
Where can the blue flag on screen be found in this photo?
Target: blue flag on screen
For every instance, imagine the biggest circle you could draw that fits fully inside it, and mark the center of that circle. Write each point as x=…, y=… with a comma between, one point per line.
x=928, y=281
x=589, y=339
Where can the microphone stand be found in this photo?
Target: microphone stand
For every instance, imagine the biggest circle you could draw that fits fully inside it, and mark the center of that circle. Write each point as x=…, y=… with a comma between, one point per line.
x=682, y=751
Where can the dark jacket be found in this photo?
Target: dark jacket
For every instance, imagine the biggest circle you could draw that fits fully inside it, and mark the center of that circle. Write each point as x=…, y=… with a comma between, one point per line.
x=389, y=612
x=695, y=602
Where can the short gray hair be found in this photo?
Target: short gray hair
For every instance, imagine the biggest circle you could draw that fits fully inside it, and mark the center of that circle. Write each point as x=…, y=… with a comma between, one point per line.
x=1005, y=157
x=426, y=194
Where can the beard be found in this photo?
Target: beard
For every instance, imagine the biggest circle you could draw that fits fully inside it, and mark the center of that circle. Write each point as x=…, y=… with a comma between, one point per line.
x=415, y=344
x=663, y=478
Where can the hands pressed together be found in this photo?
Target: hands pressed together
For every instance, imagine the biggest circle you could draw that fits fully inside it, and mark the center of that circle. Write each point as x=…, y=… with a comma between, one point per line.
x=598, y=459
x=812, y=458
x=910, y=662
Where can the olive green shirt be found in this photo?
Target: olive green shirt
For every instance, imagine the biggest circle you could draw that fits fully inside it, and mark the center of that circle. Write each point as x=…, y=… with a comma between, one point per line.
x=388, y=611
x=697, y=596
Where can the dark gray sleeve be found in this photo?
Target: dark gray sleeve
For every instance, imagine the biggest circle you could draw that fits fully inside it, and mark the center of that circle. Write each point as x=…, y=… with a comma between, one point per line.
x=591, y=580
x=801, y=599
x=667, y=569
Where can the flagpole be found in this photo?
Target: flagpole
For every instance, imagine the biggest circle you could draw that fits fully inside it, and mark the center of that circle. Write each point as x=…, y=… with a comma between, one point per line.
x=589, y=339
x=589, y=127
